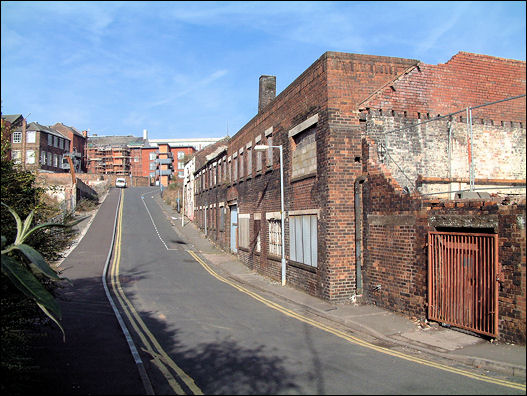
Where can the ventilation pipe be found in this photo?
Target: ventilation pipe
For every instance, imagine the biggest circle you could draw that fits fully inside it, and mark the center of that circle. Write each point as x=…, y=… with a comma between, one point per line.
x=358, y=233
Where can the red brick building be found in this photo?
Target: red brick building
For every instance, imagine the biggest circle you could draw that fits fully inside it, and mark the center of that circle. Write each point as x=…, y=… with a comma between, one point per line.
x=377, y=155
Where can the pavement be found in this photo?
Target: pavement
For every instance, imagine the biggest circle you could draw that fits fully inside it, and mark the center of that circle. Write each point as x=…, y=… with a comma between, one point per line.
x=369, y=322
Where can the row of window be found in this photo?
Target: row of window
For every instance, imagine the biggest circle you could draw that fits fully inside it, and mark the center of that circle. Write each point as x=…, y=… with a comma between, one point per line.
x=46, y=158
x=31, y=137
x=235, y=167
x=303, y=234
x=303, y=237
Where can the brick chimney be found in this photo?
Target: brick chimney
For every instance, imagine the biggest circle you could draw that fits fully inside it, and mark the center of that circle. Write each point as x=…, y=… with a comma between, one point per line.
x=267, y=91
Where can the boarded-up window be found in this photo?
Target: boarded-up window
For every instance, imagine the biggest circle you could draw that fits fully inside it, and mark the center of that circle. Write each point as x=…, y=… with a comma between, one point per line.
x=303, y=239
x=243, y=230
x=222, y=219
x=249, y=162
x=304, y=162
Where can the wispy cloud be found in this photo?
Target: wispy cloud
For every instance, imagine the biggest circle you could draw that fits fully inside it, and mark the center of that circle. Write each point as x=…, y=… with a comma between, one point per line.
x=189, y=85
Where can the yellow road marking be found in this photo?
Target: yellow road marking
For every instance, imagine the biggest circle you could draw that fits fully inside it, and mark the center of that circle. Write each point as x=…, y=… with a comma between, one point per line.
x=353, y=339
x=160, y=359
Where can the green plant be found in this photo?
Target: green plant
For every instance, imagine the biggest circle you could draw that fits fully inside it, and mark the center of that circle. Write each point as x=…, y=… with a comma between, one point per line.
x=23, y=265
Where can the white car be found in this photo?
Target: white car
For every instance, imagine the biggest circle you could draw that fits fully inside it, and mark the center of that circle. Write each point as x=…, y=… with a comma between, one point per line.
x=120, y=182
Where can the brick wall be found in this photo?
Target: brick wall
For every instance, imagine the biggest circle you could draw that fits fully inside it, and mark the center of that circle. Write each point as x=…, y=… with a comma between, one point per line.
x=441, y=149
x=395, y=245
x=329, y=90
x=465, y=80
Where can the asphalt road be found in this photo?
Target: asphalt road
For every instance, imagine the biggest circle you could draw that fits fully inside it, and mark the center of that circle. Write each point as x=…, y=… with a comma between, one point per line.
x=213, y=338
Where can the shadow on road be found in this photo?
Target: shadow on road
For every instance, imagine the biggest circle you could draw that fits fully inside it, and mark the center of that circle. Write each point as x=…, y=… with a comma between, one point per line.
x=96, y=358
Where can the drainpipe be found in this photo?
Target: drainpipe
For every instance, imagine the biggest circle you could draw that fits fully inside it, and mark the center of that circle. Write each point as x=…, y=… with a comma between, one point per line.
x=358, y=233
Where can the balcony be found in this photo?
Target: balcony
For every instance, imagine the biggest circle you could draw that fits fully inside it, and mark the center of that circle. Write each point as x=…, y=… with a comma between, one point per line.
x=164, y=161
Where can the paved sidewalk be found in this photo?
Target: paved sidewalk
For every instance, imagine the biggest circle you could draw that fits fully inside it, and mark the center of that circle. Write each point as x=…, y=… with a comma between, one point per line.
x=373, y=324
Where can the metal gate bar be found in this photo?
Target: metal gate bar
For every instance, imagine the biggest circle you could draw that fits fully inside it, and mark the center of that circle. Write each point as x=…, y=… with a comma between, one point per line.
x=463, y=280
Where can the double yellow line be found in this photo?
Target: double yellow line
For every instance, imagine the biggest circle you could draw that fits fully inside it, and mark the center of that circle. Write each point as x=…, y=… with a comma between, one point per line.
x=150, y=344
x=351, y=338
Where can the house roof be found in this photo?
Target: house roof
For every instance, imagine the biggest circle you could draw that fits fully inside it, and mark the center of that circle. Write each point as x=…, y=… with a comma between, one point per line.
x=116, y=141
x=12, y=118
x=35, y=126
x=204, y=155
x=60, y=127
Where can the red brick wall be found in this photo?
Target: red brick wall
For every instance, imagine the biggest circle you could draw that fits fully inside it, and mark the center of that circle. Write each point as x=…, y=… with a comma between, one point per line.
x=331, y=87
x=465, y=80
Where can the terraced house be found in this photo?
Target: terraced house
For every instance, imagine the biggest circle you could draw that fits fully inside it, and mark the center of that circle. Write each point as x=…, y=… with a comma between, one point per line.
x=403, y=185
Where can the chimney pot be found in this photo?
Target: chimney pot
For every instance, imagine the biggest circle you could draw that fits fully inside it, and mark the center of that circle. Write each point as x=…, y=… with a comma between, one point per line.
x=267, y=91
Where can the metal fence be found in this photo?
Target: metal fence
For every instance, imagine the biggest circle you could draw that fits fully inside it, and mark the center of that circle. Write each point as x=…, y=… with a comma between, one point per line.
x=463, y=280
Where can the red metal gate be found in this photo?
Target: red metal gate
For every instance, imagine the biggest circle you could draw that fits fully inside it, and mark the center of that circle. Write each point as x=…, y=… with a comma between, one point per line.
x=463, y=280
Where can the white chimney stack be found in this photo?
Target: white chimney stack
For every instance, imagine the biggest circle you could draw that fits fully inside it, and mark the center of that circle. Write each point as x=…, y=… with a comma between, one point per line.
x=145, y=134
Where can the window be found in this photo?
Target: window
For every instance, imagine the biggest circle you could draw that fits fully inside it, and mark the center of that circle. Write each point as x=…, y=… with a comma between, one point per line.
x=303, y=239
x=241, y=164
x=275, y=237
x=235, y=168
x=214, y=175
x=49, y=158
x=152, y=156
x=304, y=161
x=181, y=174
x=153, y=166
x=50, y=140
x=270, y=151
x=249, y=162
x=17, y=137
x=222, y=219
x=30, y=156
x=55, y=160
x=180, y=164
x=243, y=230
x=259, y=155
x=31, y=136
x=16, y=155
x=257, y=244
x=43, y=158
x=55, y=141
x=180, y=155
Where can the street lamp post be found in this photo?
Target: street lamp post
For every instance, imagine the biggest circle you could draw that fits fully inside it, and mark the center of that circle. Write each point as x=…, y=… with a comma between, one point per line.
x=263, y=147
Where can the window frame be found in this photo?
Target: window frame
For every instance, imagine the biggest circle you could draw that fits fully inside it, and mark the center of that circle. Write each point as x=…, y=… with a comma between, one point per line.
x=303, y=245
x=17, y=137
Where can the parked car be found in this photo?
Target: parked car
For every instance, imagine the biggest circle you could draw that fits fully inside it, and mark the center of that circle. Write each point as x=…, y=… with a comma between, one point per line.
x=120, y=182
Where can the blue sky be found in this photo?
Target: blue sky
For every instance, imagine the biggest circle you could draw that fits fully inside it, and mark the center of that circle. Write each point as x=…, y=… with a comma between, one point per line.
x=191, y=69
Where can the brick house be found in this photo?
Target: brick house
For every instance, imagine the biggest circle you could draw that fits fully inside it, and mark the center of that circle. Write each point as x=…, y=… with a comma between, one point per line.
x=77, y=147
x=377, y=153
x=9, y=122
x=39, y=147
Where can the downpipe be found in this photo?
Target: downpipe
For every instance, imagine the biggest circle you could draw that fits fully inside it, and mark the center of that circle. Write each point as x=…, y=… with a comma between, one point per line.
x=358, y=233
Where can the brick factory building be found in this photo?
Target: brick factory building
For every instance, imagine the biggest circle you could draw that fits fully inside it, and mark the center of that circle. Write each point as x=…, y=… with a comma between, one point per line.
x=404, y=186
